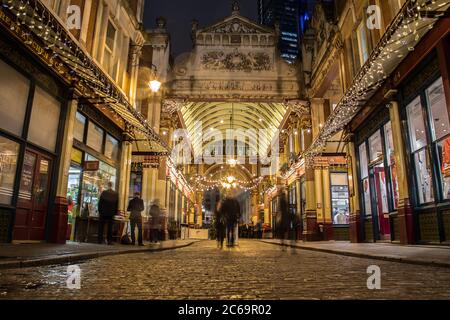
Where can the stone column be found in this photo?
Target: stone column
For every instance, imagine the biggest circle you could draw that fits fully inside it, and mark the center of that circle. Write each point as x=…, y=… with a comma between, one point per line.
x=59, y=217
x=405, y=212
x=310, y=232
x=326, y=199
x=254, y=207
x=199, y=217
x=355, y=213
x=124, y=178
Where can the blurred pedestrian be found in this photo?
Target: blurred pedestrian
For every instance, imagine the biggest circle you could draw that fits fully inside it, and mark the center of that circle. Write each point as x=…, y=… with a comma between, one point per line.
x=284, y=221
x=107, y=209
x=220, y=225
x=135, y=207
x=230, y=210
x=155, y=217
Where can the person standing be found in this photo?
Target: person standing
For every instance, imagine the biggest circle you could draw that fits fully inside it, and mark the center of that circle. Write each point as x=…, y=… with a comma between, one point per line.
x=107, y=209
x=284, y=226
x=136, y=206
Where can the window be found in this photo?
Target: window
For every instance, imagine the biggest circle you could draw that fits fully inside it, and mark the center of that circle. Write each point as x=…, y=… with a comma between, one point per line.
x=95, y=137
x=440, y=132
x=416, y=125
x=364, y=171
x=45, y=112
x=111, y=147
x=108, y=56
x=418, y=142
x=78, y=130
x=339, y=198
x=14, y=90
x=375, y=147
x=424, y=181
x=440, y=124
x=362, y=43
x=390, y=160
x=9, y=151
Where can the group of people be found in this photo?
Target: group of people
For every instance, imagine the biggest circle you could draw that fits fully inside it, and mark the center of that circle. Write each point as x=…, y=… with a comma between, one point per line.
x=251, y=230
x=108, y=206
x=226, y=218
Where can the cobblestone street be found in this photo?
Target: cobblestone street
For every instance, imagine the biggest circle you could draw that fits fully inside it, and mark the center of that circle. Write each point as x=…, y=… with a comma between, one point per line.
x=254, y=270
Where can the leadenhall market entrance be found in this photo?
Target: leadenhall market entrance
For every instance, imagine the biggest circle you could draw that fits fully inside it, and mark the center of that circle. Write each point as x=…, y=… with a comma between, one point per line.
x=230, y=96
x=29, y=153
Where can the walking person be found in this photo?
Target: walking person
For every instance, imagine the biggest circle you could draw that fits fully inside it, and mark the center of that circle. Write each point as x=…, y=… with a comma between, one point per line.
x=220, y=225
x=155, y=215
x=107, y=209
x=284, y=225
x=136, y=206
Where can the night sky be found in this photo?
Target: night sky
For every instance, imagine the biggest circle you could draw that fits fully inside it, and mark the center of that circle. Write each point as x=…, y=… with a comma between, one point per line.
x=180, y=13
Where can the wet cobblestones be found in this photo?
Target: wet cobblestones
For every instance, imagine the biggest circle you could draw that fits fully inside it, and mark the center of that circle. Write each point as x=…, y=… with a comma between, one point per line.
x=254, y=270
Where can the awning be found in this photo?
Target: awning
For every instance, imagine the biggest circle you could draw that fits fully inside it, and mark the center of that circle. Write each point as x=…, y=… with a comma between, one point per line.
x=32, y=20
x=413, y=21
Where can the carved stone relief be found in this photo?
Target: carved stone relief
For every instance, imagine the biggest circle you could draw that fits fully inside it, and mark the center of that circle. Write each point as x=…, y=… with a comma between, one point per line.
x=236, y=61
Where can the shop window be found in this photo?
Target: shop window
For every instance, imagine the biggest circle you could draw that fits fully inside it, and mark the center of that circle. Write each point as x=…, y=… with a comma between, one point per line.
x=416, y=125
x=14, y=90
x=440, y=124
x=339, y=198
x=424, y=181
x=390, y=160
x=46, y=111
x=375, y=147
x=95, y=182
x=9, y=151
x=364, y=171
x=78, y=130
x=111, y=147
x=95, y=137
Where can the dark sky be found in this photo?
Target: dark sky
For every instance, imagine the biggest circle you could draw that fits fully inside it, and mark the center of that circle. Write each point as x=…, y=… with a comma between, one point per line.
x=180, y=13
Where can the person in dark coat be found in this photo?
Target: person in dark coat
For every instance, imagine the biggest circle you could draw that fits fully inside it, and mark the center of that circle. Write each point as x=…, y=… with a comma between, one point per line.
x=220, y=225
x=135, y=207
x=155, y=221
x=284, y=225
x=107, y=209
x=231, y=212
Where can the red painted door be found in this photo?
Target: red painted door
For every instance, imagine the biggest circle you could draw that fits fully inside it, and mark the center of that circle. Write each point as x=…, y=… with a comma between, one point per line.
x=32, y=204
x=382, y=203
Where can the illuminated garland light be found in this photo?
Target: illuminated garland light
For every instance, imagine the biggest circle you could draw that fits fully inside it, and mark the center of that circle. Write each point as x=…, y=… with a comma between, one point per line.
x=82, y=70
x=374, y=72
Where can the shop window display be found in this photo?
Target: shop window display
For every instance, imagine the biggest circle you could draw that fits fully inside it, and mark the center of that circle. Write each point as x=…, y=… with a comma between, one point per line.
x=363, y=165
x=78, y=130
x=390, y=160
x=94, y=182
x=339, y=198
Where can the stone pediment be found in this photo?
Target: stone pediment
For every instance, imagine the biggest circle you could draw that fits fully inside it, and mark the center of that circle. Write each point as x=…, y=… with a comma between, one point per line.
x=237, y=24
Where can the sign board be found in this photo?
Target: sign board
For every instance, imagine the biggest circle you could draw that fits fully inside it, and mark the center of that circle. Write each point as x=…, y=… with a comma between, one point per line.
x=91, y=165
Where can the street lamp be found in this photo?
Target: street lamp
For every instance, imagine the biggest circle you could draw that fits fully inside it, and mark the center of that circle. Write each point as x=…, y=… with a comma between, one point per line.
x=154, y=84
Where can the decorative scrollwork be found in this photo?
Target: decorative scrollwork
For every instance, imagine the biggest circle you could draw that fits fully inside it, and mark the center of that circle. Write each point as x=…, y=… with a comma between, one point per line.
x=236, y=61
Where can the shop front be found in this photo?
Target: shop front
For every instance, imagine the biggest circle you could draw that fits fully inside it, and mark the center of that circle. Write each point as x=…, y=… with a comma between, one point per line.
x=30, y=96
x=95, y=157
x=402, y=148
x=425, y=112
x=378, y=178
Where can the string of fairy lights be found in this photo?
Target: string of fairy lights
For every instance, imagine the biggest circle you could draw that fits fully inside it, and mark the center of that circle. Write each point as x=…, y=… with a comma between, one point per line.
x=410, y=25
x=33, y=19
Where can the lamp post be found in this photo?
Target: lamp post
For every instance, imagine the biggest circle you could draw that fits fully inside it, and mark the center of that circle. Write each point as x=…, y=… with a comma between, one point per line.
x=154, y=83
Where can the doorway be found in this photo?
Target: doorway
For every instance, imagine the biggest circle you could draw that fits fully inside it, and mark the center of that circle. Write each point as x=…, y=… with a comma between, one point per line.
x=380, y=202
x=32, y=204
